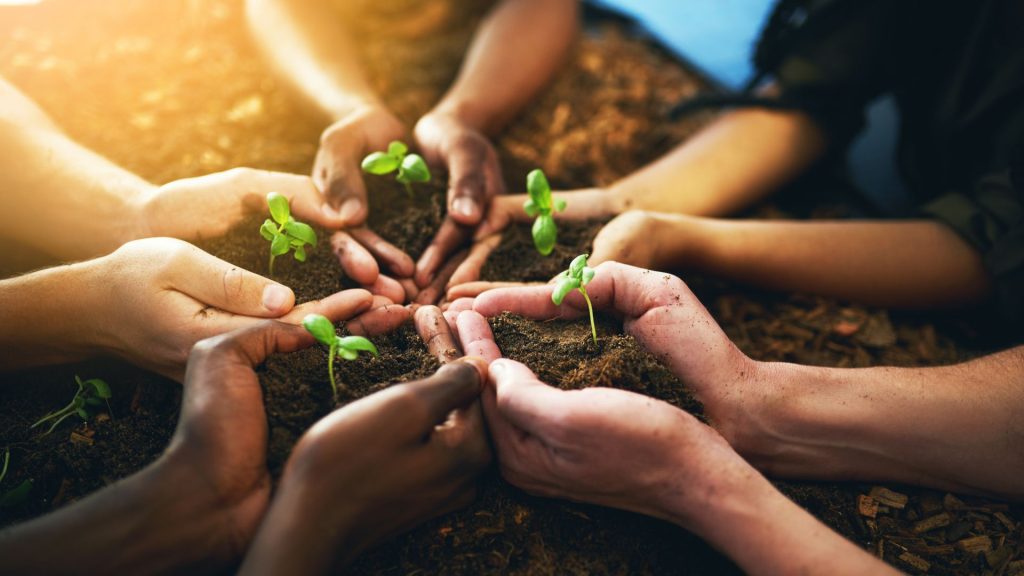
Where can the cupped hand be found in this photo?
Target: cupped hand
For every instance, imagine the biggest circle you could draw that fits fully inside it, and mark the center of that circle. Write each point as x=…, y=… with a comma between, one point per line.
x=474, y=178
x=375, y=468
x=151, y=300
x=209, y=206
x=598, y=445
x=665, y=317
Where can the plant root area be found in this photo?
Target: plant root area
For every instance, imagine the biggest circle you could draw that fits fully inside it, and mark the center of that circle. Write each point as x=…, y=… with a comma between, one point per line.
x=176, y=89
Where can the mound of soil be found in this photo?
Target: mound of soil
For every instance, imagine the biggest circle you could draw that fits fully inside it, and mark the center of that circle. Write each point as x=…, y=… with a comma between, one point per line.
x=189, y=94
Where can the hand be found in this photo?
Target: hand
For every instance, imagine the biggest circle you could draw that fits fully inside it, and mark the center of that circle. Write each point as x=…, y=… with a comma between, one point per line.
x=377, y=467
x=599, y=445
x=151, y=300
x=665, y=318
x=209, y=206
x=474, y=178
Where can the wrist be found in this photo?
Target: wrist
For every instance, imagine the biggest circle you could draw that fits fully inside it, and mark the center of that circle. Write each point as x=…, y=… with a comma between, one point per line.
x=464, y=114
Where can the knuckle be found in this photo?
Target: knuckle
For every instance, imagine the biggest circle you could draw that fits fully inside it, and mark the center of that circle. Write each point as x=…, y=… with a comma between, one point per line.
x=234, y=283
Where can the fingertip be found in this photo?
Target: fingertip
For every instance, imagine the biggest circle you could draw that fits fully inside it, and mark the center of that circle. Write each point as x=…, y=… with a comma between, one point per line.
x=278, y=299
x=352, y=212
x=480, y=364
x=466, y=211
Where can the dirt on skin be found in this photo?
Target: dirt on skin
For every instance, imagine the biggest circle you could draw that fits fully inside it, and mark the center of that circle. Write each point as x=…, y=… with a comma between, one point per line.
x=176, y=89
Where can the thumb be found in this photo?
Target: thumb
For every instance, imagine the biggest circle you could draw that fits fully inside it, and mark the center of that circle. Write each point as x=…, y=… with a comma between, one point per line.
x=521, y=398
x=453, y=386
x=222, y=285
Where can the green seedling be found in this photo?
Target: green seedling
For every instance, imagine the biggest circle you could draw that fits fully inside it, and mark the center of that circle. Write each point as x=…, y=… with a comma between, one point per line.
x=348, y=347
x=576, y=278
x=411, y=167
x=541, y=207
x=17, y=494
x=284, y=232
x=91, y=393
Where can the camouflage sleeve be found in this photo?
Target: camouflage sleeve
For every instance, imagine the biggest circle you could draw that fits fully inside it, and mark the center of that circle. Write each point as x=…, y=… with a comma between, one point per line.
x=991, y=219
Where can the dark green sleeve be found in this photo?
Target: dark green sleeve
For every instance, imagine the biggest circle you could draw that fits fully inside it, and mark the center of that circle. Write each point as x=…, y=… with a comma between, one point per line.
x=991, y=218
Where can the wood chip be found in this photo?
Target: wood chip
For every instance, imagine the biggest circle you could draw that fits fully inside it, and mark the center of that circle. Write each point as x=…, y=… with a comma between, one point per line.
x=975, y=544
x=867, y=506
x=888, y=497
x=915, y=561
x=932, y=522
x=77, y=438
x=952, y=502
x=1005, y=520
x=846, y=329
x=998, y=557
x=1015, y=568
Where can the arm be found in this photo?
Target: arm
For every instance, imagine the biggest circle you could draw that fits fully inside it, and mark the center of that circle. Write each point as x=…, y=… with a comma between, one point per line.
x=915, y=264
x=628, y=451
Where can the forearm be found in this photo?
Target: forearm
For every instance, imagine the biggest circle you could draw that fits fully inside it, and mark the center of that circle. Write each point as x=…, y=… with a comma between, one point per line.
x=514, y=54
x=46, y=316
x=139, y=525
x=915, y=264
x=953, y=428
x=735, y=161
x=310, y=46
x=765, y=533
x=61, y=198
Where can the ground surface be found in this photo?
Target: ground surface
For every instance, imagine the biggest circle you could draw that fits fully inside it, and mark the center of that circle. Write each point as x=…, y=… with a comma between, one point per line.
x=175, y=89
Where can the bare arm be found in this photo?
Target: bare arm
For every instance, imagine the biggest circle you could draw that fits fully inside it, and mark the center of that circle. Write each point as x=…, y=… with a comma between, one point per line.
x=735, y=161
x=514, y=54
x=312, y=48
x=912, y=264
x=954, y=428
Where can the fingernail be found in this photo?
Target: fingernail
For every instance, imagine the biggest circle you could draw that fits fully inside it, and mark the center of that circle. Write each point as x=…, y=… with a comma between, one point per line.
x=464, y=207
x=350, y=209
x=497, y=367
x=276, y=297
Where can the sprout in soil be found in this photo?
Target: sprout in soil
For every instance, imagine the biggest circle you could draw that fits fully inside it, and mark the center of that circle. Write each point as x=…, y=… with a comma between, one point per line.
x=91, y=393
x=576, y=278
x=17, y=494
x=284, y=232
x=411, y=167
x=348, y=347
x=541, y=207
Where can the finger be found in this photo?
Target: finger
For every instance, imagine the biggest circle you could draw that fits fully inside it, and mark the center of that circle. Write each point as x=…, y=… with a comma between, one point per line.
x=356, y=261
x=346, y=190
x=476, y=336
x=336, y=307
x=449, y=237
x=467, y=182
x=474, y=289
x=410, y=287
x=522, y=399
x=395, y=260
x=469, y=270
x=383, y=317
x=529, y=301
x=434, y=330
x=214, y=282
x=248, y=346
x=453, y=386
x=387, y=287
x=500, y=213
x=307, y=204
x=432, y=293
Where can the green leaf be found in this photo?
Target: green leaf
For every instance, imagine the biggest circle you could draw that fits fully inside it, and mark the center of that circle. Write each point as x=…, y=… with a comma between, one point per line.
x=92, y=401
x=397, y=149
x=562, y=289
x=560, y=205
x=545, y=233
x=380, y=163
x=268, y=230
x=539, y=189
x=101, y=387
x=531, y=208
x=358, y=343
x=300, y=253
x=279, y=245
x=414, y=169
x=301, y=231
x=321, y=328
x=17, y=495
x=279, y=210
x=587, y=276
x=347, y=354
x=576, y=267
x=83, y=413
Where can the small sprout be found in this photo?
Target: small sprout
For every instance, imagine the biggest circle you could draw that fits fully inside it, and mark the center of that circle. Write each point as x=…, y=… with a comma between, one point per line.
x=91, y=393
x=576, y=278
x=411, y=167
x=284, y=232
x=541, y=207
x=348, y=347
x=17, y=494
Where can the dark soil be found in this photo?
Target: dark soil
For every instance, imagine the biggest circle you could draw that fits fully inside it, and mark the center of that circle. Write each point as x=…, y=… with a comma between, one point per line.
x=175, y=89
